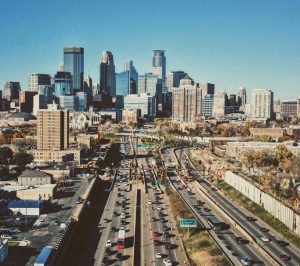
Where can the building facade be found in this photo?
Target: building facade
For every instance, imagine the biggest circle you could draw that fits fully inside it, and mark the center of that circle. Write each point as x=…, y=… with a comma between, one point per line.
x=159, y=65
x=173, y=79
x=219, y=105
x=186, y=101
x=107, y=74
x=36, y=79
x=11, y=90
x=262, y=105
x=207, y=88
x=63, y=83
x=74, y=63
x=143, y=101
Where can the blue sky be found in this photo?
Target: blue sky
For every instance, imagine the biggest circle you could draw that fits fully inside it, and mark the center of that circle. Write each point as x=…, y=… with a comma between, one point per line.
x=226, y=42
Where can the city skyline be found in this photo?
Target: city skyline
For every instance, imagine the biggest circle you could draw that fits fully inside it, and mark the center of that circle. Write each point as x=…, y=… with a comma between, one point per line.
x=233, y=44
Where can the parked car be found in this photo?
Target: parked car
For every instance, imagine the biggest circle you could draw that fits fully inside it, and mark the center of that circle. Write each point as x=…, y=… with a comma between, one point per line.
x=108, y=243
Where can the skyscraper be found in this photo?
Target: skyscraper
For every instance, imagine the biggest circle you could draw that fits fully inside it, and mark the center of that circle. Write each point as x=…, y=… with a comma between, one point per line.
x=159, y=65
x=62, y=83
x=186, y=101
x=242, y=96
x=11, y=90
x=262, y=105
x=219, y=104
x=107, y=74
x=207, y=88
x=173, y=79
x=36, y=79
x=74, y=63
x=52, y=129
x=133, y=77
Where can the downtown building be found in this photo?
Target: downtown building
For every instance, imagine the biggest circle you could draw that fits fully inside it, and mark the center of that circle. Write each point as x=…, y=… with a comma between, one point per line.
x=53, y=136
x=107, y=74
x=74, y=64
x=35, y=80
x=159, y=65
x=186, y=102
x=262, y=105
x=173, y=79
x=12, y=90
x=144, y=102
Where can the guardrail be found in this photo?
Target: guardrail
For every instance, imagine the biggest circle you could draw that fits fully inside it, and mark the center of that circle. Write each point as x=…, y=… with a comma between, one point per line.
x=240, y=227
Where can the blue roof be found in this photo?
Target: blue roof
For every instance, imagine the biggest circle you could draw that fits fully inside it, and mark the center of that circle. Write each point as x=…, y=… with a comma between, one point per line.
x=24, y=204
x=44, y=255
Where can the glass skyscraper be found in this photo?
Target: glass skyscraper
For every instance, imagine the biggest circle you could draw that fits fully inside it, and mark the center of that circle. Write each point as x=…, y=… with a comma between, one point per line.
x=74, y=63
x=62, y=83
x=159, y=65
x=133, y=76
x=123, y=83
x=107, y=74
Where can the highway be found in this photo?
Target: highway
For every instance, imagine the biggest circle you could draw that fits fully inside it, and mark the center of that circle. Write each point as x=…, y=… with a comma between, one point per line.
x=253, y=227
x=226, y=238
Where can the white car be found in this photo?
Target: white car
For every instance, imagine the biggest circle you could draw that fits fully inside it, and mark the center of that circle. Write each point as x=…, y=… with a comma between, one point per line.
x=167, y=262
x=245, y=261
x=122, y=228
x=265, y=238
x=158, y=255
x=149, y=202
x=4, y=236
x=123, y=215
x=158, y=207
x=108, y=243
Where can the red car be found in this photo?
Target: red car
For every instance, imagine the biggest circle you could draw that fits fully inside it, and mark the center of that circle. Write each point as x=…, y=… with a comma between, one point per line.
x=155, y=234
x=156, y=242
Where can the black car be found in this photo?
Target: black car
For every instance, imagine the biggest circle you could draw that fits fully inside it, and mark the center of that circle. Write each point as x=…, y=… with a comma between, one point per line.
x=107, y=250
x=165, y=228
x=114, y=229
x=123, y=222
x=119, y=256
x=105, y=260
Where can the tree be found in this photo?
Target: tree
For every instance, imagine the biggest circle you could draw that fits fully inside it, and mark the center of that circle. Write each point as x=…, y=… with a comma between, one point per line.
x=23, y=158
x=5, y=154
x=284, y=157
x=266, y=138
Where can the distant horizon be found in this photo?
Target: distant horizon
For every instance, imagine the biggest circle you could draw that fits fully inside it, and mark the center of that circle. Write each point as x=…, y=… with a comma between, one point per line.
x=230, y=44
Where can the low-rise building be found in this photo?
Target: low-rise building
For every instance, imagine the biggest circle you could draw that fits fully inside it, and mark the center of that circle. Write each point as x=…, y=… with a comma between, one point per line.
x=131, y=115
x=34, y=177
x=42, y=156
x=275, y=132
x=25, y=207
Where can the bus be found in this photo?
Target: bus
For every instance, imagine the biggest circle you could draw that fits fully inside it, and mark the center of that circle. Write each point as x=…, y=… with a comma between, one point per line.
x=217, y=225
x=121, y=239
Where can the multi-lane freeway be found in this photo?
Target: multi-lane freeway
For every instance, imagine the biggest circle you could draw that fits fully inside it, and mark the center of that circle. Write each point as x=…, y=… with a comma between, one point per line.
x=265, y=237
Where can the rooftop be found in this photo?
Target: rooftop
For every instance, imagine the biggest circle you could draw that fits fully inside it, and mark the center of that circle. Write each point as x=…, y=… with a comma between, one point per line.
x=33, y=173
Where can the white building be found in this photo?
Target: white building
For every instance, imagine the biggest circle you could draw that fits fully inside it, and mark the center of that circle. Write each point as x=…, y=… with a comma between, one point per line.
x=262, y=105
x=219, y=105
x=186, y=101
x=36, y=79
x=143, y=101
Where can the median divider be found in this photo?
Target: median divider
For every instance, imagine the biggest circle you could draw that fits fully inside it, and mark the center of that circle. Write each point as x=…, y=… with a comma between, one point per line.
x=273, y=260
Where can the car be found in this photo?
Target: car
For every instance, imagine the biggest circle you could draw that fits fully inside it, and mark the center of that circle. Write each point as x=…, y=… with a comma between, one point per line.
x=154, y=219
x=4, y=236
x=114, y=229
x=108, y=243
x=122, y=228
x=265, y=238
x=156, y=242
x=167, y=234
x=282, y=243
x=105, y=220
x=155, y=234
x=14, y=230
x=107, y=250
x=251, y=219
x=119, y=256
x=264, y=230
x=239, y=239
x=167, y=262
x=158, y=207
x=158, y=255
x=166, y=228
x=245, y=261
x=123, y=222
x=149, y=202
x=284, y=257
x=206, y=209
x=115, y=214
x=105, y=260
x=117, y=203
x=168, y=245
x=56, y=222
x=123, y=215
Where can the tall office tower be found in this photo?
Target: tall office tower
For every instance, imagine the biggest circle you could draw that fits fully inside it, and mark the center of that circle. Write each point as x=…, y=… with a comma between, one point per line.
x=26, y=101
x=262, y=105
x=219, y=105
x=150, y=83
x=207, y=105
x=123, y=83
x=133, y=77
x=207, y=88
x=11, y=90
x=173, y=79
x=82, y=101
x=88, y=89
x=52, y=128
x=69, y=102
x=242, y=96
x=96, y=89
x=62, y=83
x=107, y=74
x=186, y=101
x=35, y=80
x=74, y=63
x=159, y=65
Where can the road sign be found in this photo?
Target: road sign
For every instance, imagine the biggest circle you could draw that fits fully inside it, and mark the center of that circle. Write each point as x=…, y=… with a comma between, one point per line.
x=188, y=223
x=145, y=145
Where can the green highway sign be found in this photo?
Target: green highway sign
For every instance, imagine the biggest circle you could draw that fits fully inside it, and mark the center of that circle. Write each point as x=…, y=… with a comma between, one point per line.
x=145, y=145
x=188, y=223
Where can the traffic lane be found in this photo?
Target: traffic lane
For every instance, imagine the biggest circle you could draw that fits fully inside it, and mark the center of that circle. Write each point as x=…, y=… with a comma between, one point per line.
x=252, y=227
x=231, y=237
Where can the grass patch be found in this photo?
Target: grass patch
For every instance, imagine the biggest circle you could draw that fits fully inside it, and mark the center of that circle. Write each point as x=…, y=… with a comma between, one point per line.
x=260, y=212
x=200, y=248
